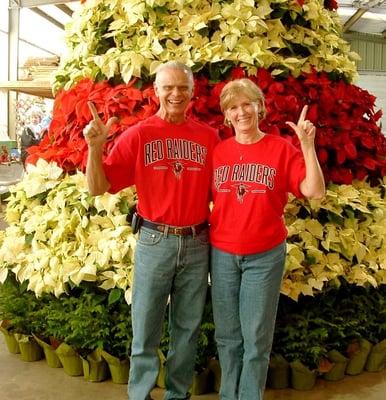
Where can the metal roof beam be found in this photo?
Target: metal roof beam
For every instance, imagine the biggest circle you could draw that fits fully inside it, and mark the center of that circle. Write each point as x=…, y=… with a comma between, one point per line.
x=47, y=17
x=36, y=3
x=353, y=19
x=67, y=10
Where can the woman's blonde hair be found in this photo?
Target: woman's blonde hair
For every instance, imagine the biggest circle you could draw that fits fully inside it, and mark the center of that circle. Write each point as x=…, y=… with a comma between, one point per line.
x=245, y=87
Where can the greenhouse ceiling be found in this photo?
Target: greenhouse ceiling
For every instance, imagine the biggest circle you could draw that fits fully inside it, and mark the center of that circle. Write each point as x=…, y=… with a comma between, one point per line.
x=364, y=16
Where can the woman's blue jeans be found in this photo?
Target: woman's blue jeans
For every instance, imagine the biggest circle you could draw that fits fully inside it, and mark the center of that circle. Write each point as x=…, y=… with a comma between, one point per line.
x=245, y=295
x=167, y=268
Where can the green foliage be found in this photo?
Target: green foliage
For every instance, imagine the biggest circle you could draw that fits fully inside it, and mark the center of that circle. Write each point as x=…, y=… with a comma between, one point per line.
x=91, y=319
x=308, y=329
x=18, y=306
x=120, y=336
x=206, y=347
x=81, y=319
x=87, y=319
x=301, y=337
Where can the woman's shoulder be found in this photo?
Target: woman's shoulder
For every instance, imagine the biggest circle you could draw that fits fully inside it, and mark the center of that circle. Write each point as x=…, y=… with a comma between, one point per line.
x=279, y=141
x=225, y=143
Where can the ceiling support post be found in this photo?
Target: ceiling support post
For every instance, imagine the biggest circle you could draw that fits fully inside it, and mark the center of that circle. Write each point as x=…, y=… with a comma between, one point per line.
x=13, y=64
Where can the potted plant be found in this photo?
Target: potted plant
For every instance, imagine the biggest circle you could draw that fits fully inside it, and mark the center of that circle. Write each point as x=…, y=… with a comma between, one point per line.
x=339, y=364
x=9, y=336
x=206, y=350
x=80, y=321
x=116, y=348
x=17, y=307
x=8, y=309
x=300, y=336
x=88, y=324
x=40, y=334
x=202, y=378
x=278, y=372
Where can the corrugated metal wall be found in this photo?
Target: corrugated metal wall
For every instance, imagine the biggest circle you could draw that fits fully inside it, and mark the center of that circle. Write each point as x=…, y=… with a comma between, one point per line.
x=371, y=48
x=372, y=67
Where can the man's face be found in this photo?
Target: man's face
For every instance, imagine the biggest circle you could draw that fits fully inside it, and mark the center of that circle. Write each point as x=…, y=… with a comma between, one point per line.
x=174, y=90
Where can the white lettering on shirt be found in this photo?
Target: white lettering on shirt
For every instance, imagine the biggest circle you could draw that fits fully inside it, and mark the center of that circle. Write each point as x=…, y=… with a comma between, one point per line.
x=221, y=175
x=153, y=152
x=174, y=149
x=256, y=173
x=240, y=174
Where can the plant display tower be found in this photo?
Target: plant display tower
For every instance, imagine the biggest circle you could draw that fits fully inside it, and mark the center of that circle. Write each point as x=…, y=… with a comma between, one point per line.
x=59, y=236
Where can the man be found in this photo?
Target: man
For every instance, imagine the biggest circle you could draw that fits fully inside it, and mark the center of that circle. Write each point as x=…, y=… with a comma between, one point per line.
x=168, y=158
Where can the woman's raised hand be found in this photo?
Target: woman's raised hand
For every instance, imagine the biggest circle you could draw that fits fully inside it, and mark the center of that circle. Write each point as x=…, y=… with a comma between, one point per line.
x=304, y=129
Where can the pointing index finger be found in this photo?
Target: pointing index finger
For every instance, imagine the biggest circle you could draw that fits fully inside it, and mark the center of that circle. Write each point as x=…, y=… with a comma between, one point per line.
x=93, y=110
x=303, y=114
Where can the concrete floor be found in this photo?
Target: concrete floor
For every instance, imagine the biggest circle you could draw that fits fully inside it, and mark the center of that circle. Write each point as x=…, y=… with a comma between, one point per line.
x=21, y=380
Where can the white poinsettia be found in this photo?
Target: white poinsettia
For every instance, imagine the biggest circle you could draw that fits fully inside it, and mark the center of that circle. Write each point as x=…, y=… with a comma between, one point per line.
x=137, y=35
x=63, y=235
x=343, y=236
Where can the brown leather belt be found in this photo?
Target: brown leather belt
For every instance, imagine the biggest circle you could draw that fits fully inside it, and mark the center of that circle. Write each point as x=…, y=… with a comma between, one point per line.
x=175, y=230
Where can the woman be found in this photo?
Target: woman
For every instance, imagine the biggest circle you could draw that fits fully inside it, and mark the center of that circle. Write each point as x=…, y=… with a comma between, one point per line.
x=253, y=172
x=31, y=134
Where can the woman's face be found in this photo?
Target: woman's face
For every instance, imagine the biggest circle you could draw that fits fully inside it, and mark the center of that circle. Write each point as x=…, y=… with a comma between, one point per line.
x=35, y=119
x=243, y=115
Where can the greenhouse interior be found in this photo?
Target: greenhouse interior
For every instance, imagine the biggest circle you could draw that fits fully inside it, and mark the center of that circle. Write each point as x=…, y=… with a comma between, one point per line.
x=67, y=254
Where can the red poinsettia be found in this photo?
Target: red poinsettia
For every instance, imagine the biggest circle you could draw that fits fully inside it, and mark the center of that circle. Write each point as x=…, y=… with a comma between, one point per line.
x=64, y=141
x=331, y=4
x=349, y=143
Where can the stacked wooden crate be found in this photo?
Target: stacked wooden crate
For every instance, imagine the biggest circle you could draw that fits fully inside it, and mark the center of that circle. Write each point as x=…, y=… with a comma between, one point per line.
x=39, y=68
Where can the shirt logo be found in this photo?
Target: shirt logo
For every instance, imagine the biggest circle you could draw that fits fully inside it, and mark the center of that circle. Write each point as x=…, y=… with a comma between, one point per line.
x=244, y=178
x=177, y=168
x=175, y=154
x=241, y=191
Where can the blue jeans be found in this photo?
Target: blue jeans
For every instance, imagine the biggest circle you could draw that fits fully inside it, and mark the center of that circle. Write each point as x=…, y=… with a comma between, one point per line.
x=245, y=295
x=174, y=268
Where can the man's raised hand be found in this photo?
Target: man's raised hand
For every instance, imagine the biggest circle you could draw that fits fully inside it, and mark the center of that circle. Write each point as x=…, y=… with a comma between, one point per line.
x=95, y=132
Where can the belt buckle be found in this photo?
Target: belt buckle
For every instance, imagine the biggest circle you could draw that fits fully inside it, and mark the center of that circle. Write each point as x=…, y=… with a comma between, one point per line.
x=178, y=231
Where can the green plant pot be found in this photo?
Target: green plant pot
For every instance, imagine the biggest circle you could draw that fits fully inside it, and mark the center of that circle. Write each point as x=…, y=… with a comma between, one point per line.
x=214, y=366
x=357, y=360
x=377, y=357
x=339, y=361
x=201, y=382
x=10, y=341
x=70, y=359
x=29, y=349
x=95, y=368
x=119, y=369
x=278, y=372
x=302, y=378
x=49, y=352
x=162, y=371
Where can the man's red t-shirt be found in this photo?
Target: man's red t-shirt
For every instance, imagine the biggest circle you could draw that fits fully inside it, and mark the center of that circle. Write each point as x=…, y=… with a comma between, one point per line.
x=250, y=187
x=171, y=166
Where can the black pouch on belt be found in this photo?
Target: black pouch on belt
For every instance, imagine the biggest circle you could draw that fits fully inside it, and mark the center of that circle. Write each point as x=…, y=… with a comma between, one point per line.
x=136, y=222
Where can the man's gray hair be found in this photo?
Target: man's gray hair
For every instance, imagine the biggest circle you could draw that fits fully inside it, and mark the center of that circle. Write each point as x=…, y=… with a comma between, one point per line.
x=175, y=65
